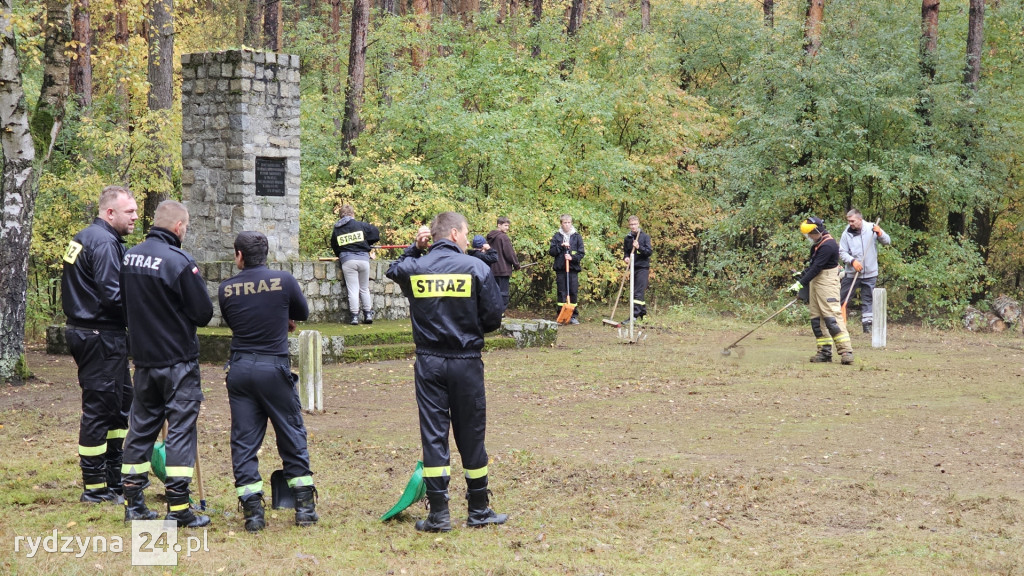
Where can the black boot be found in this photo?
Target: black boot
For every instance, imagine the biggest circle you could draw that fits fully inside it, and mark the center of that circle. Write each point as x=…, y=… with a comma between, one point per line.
x=180, y=510
x=479, y=512
x=94, y=479
x=305, y=505
x=114, y=473
x=367, y=316
x=353, y=318
x=252, y=506
x=438, y=520
x=867, y=327
x=98, y=495
x=135, y=504
x=824, y=354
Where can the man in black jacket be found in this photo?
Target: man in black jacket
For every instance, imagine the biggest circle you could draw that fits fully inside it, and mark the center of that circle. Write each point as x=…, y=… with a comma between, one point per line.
x=261, y=306
x=165, y=299
x=95, y=333
x=638, y=244
x=507, y=261
x=567, y=246
x=351, y=241
x=821, y=277
x=453, y=301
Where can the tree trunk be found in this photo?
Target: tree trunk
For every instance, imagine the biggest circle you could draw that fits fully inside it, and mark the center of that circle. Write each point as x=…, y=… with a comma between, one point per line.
x=160, y=73
x=17, y=204
x=81, y=64
x=984, y=219
x=502, y=10
x=253, y=23
x=535, y=18
x=53, y=95
x=513, y=8
x=272, y=25
x=918, y=197
x=356, y=74
x=812, y=26
x=336, y=37
x=769, y=12
x=121, y=39
x=575, y=17
x=422, y=14
x=929, y=36
x=645, y=15
x=975, y=40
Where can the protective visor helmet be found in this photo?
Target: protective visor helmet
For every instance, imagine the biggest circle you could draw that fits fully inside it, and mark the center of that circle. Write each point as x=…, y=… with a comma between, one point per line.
x=812, y=224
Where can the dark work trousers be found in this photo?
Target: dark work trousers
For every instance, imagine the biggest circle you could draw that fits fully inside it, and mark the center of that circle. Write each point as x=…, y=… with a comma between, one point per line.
x=450, y=394
x=640, y=277
x=102, y=358
x=171, y=393
x=864, y=287
x=574, y=288
x=503, y=287
x=260, y=388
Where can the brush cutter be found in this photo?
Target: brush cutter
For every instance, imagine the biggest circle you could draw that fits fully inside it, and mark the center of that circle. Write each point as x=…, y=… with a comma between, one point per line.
x=727, y=350
x=611, y=317
x=565, y=315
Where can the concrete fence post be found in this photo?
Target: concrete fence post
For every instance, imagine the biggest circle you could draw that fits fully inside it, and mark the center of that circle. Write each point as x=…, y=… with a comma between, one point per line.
x=311, y=385
x=878, y=324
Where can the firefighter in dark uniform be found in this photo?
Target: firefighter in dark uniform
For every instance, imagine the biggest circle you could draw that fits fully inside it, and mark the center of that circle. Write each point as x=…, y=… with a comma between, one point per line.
x=261, y=306
x=821, y=279
x=95, y=333
x=351, y=241
x=638, y=243
x=165, y=299
x=453, y=301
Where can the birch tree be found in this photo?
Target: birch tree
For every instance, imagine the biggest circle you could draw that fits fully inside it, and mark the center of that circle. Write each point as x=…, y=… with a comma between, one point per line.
x=18, y=201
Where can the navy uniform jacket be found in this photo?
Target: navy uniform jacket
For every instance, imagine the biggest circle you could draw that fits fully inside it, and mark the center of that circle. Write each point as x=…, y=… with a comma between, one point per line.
x=351, y=235
x=257, y=304
x=453, y=299
x=91, y=285
x=643, y=253
x=824, y=256
x=575, y=249
x=165, y=299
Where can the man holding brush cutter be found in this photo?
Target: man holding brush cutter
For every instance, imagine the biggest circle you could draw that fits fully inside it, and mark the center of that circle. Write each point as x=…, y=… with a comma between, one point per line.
x=858, y=248
x=821, y=277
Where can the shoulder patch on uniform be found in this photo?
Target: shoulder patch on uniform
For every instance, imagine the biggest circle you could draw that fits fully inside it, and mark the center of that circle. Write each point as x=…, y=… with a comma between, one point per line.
x=71, y=254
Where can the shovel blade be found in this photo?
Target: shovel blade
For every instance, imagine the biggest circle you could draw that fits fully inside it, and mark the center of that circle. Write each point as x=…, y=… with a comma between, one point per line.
x=565, y=314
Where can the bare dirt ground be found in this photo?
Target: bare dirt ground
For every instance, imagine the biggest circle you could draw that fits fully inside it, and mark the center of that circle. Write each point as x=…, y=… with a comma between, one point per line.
x=663, y=457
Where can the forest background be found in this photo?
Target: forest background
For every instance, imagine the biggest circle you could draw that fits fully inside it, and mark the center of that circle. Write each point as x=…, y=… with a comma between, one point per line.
x=721, y=123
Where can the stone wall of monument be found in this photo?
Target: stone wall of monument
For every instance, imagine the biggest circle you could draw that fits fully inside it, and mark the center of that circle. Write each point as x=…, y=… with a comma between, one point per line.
x=240, y=151
x=324, y=288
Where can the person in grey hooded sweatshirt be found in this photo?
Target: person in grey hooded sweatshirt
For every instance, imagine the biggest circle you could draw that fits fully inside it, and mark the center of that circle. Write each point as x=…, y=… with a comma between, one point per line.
x=351, y=241
x=858, y=248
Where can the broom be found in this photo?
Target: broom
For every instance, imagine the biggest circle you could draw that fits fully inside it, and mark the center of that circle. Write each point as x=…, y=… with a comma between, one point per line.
x=565, y=314
x=611, y=319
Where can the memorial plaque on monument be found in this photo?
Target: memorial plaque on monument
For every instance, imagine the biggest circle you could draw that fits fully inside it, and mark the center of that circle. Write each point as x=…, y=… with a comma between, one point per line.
x=270, y=175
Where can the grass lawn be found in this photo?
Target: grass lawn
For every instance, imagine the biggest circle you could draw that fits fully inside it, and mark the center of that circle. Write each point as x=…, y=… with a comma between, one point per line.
x=663, y=457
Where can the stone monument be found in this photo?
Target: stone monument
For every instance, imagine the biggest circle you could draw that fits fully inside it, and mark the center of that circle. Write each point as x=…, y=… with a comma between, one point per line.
x=240, y=151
